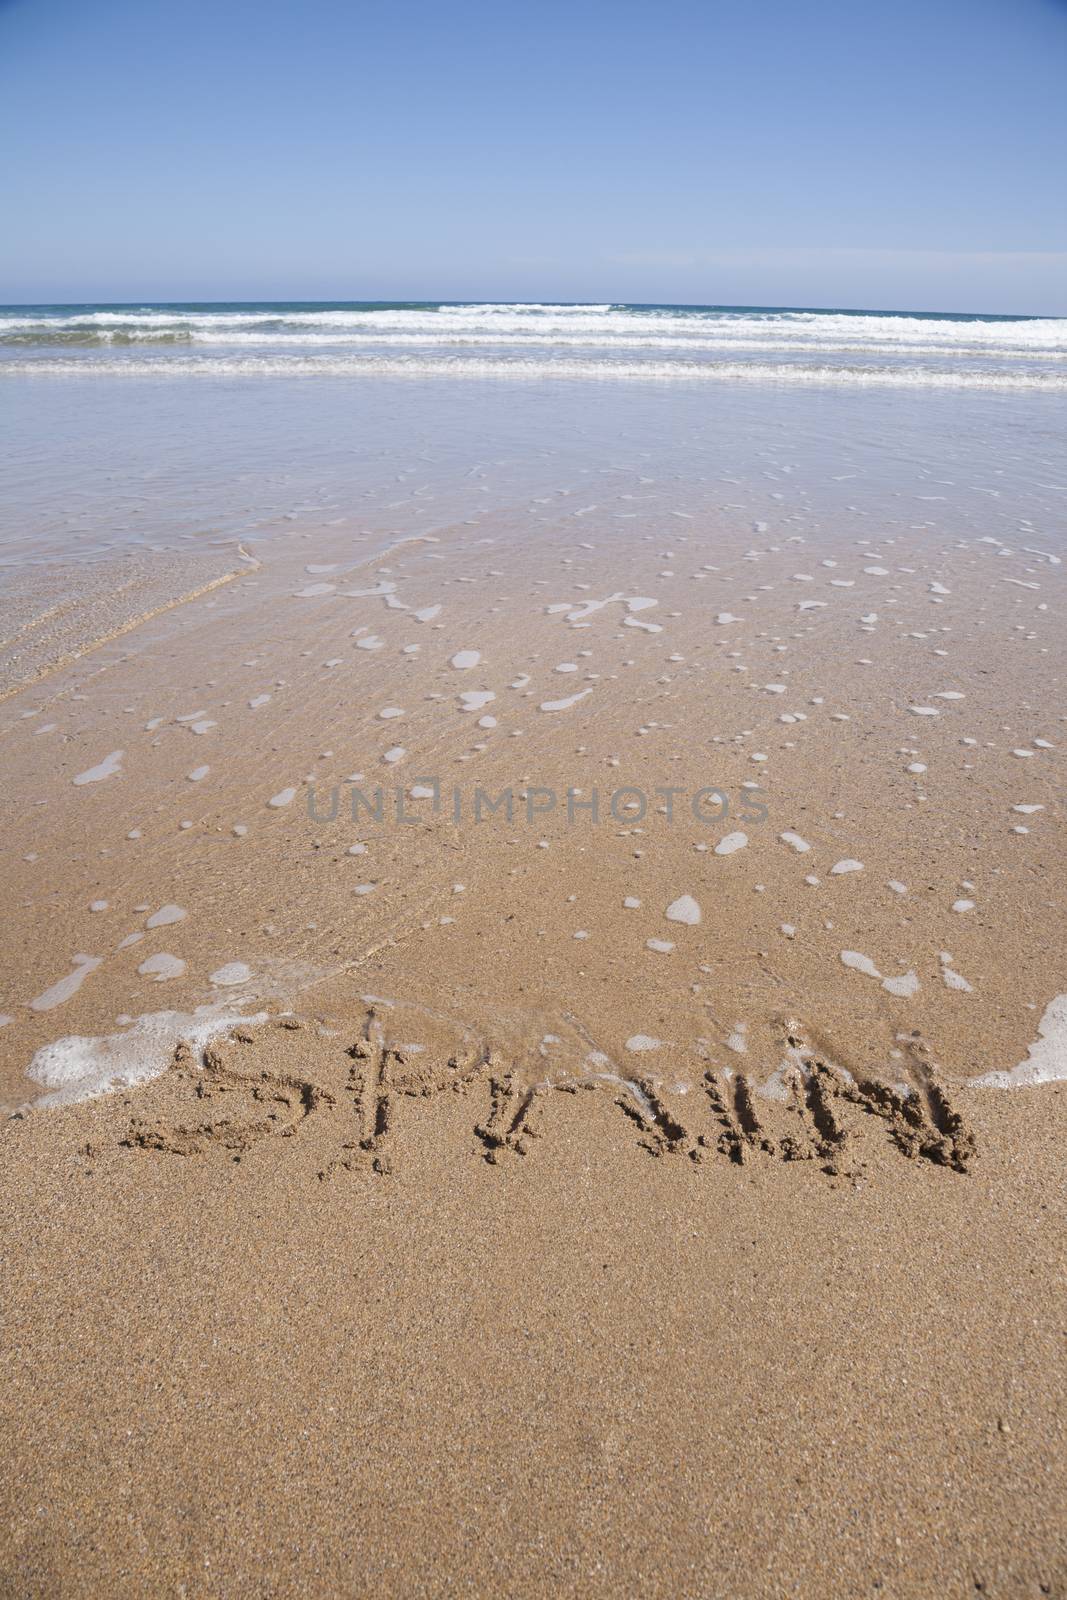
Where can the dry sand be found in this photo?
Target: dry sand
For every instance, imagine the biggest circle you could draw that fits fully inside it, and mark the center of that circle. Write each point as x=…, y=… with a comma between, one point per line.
x=583, y=1206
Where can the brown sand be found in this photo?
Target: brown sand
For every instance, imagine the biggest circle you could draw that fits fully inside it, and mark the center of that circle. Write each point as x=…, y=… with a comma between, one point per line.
x=526, y=1310
x=582, y=1370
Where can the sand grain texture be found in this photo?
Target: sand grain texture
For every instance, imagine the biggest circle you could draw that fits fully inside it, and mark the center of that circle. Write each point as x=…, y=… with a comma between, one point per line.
x=592, y=1368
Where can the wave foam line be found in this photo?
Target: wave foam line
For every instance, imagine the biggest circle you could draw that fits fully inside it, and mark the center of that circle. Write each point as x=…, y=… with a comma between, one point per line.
x=475, y=338
x=803, y=328
x=662, y=372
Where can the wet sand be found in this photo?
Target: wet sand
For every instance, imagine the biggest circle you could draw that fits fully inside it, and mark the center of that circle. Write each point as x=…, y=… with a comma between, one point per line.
x=525, y=1197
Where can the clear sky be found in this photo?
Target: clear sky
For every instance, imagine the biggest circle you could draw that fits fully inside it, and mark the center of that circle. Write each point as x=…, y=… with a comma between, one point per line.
x=908, y=155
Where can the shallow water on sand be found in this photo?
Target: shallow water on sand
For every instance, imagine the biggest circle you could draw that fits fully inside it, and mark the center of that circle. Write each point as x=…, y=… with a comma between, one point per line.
x=98, y=466
x=842, y=612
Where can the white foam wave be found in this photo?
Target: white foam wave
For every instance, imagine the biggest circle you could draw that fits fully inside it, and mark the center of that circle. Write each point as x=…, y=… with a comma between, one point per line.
x=80, y=1067
x=597, y=339
x=1026, y=337
x=1046, y=1059
x=359, y=366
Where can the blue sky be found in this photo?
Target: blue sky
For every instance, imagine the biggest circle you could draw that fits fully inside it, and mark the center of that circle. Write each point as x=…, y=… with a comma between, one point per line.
x=800, y=152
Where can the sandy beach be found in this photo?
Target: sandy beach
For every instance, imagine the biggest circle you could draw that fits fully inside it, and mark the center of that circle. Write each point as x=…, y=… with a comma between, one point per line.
x=534, y=1035
x=584, y=1370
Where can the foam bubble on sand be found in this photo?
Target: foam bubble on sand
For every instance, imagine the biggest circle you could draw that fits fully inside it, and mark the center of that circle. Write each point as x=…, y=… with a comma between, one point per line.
x=860, y=963
x=108, y=768
x=896, y=886
x=98, y=905
x=848, y=865
x=463, y=660
x=79, y=1067
x=924, y=711
x=232, y=973
x=684, y=909
x=383, y=588
x=564, y=705
x=1027, y=811
x=799, y=845
x=426, y=613
x=730, y=843
x=963, y=905
x=1046, y=1059
x=387, y=713
x=953, y=979
x=370, y=641
x=284, y=797
x=165, y=916
x=397, y=753
x=636, y=622
x=64, y=988
x=662, y=947
x=475, y=699
x=566, y=666
x=632, y=903
x=313, y=590
x=638, y=1042
x=198, y=774
x=904, y=986
x=726, y=617
x=162, y=966
x=257, y=701
x=939, y=588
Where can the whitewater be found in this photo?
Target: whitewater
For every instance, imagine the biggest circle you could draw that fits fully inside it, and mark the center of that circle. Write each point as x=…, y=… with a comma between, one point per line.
x=663, y=344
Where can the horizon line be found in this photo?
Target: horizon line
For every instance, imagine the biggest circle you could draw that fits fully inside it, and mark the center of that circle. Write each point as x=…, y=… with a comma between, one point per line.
x=656, y=305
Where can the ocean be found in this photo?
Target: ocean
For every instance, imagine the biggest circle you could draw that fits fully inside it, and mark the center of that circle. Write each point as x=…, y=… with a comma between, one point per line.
x=179, y=427
x=721, y=344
